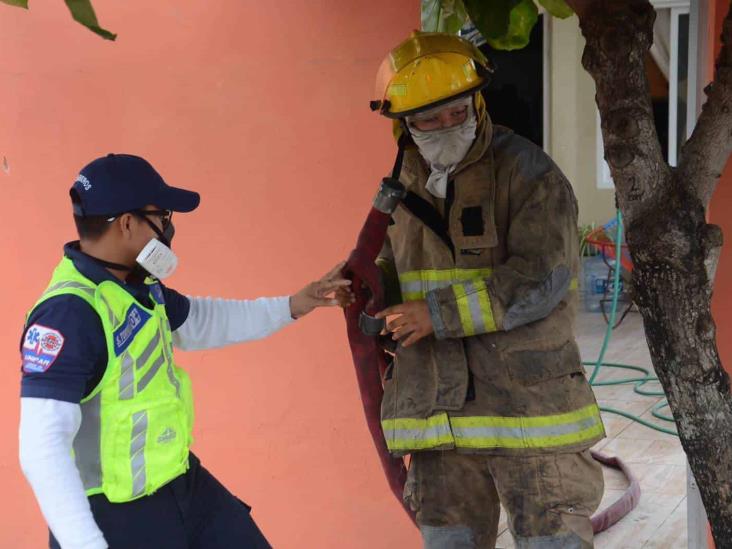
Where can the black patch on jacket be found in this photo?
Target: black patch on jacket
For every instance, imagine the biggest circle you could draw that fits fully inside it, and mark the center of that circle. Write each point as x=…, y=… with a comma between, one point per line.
x=472, y=220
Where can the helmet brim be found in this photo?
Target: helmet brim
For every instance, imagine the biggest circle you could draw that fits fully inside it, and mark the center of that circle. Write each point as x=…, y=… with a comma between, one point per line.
x=384, y=110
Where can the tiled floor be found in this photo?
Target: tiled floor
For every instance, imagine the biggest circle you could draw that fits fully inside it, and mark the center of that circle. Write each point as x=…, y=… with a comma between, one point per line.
x=659, y=520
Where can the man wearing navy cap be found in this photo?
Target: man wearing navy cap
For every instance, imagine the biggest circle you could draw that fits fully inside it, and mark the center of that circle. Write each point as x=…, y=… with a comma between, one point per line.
x=106, y=413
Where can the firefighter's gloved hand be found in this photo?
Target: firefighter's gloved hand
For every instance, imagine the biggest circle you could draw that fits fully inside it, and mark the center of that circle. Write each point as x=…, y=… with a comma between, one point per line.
x=412, y=322
x=319, y=293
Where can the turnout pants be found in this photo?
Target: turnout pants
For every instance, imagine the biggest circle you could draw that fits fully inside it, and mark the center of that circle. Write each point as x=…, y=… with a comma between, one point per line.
x=548, y=499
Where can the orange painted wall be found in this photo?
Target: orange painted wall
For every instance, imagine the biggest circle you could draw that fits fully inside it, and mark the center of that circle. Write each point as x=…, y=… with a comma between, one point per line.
x=263, y=108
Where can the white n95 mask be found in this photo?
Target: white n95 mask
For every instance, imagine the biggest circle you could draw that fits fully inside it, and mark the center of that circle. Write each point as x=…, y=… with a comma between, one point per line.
x=157, y=259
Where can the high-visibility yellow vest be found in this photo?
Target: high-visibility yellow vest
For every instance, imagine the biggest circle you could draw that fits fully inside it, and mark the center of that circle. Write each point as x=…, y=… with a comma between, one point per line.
x=136, y=424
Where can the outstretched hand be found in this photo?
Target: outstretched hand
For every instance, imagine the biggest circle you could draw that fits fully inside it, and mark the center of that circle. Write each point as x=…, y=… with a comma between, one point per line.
x=412, y=322
x=319, y=293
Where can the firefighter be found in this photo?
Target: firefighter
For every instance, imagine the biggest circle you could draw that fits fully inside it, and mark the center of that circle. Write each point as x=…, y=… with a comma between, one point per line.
x=487, y=392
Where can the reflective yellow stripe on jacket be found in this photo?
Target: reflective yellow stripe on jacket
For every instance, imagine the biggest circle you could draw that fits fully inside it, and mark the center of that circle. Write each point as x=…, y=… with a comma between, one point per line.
x=485, y=432
x=416, y=284
x=474, y=307
x=471, y=295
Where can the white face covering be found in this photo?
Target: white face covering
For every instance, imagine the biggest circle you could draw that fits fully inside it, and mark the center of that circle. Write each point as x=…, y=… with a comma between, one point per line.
x=157, y=259
x=444, y=149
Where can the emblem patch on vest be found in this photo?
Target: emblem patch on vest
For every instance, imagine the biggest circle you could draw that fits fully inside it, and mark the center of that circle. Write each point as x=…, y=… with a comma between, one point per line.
x=41, y=347
x=167, y=436
x=135, y=319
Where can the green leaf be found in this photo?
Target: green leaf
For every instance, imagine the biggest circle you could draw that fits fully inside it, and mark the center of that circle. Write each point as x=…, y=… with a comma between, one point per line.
x=431, y=15
x=83, y=12
x=19, y=3
x=523, y=17
x=454, y=16
x=491, y=17
x=557, y=8
x=443, y=15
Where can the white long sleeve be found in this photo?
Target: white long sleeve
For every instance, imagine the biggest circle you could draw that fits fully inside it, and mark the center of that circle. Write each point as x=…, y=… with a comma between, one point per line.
x=47, y=431
x=214, y=322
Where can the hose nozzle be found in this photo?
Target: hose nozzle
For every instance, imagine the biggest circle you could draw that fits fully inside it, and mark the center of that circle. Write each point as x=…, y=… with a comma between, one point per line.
x=391, y=192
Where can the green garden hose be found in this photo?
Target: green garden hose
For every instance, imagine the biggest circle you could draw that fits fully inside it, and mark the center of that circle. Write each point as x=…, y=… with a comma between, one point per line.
x=638, y=381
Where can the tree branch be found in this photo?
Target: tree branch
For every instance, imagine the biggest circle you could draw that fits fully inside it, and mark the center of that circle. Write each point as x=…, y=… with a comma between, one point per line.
x=619, y=34
x=674, y=250
x=705, y=154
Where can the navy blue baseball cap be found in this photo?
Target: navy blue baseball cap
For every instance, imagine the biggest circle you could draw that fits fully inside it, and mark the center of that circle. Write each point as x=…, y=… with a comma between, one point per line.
x=119, y=183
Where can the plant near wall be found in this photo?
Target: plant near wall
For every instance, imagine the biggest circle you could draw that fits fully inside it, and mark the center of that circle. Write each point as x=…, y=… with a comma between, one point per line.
x=81, y=10
x=675, y=251
x=505, y=24
x=586, y=249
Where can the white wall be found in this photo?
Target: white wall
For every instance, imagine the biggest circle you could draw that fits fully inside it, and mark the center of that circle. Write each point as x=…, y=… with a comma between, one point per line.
x=572, y=120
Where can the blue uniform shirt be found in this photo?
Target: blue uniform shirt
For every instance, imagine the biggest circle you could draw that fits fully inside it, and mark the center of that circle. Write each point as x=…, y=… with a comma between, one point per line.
x=69, y=333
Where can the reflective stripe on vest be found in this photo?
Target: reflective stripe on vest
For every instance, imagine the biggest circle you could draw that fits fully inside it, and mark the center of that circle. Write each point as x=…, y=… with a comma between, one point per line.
x=71, y=285
x=487, y=432
x=137, y=423
x=137, y=452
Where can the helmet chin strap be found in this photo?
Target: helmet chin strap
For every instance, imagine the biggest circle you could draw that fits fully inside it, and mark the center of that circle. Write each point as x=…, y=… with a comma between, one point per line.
x=401, y=144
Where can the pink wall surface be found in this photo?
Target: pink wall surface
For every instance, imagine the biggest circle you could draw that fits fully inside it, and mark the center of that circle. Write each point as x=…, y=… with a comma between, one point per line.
x=263, y=108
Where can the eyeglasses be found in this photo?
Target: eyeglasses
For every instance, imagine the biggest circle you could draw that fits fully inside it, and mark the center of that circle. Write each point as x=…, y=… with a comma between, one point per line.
x=165, y=216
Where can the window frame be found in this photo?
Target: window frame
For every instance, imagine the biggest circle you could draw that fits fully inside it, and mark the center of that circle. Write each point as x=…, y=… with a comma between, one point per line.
x=677, y=8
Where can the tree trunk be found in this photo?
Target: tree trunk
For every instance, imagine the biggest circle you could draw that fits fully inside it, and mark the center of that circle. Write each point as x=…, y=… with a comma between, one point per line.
x=674, y=250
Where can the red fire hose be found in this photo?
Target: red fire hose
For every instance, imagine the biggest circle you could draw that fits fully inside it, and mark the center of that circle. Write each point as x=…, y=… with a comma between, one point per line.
x=370, y=360
x=624, y=504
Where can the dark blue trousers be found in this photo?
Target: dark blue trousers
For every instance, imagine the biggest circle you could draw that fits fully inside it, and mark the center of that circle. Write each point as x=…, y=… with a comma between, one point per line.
x=194, y=511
